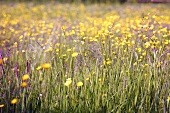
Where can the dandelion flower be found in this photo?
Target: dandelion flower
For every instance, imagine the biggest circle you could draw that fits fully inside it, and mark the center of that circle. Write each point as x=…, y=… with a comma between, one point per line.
x=38, y=68
x=74, y=54
x=1, y=105
x=25, y=77
x=24, y=84
x=80, y=84
x=14, y=101
x=46, y=65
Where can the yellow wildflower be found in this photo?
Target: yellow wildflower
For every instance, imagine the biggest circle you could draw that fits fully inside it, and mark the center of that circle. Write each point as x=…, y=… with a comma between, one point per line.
x=147, y=44
x=108, y=62
x=87, y=78
x=1, y=105
x=74, y=54
x=1, y=61
x=25, y=77
x=68, y=82
x=168, y=99
x=139, y=49
x=14, y=101
x=57, y=50
x=146, y=65
x=100, y=79
x=38, y=68
x=23, y=84
x=46, y=65
x=68, y=50
x=80, y=84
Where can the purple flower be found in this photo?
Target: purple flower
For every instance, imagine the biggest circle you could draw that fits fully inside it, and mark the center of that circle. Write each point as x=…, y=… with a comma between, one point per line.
x=16, y=70
x=28, y=66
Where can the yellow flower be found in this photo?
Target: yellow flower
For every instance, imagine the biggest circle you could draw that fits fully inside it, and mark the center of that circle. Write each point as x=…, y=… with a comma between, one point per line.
x=87, y=78
x=68, y=50
x=104, y=95
x=57, y=50
x=1, y=105
x=147, y=44
x=14, y=101
x=109, y=62
x=68, y=82
x=23, y=84
x=139, y=49
x=80, y=84
x=46, y=65
x=135, y=64
x=38, y=68
x=1, y=61
x=166, y=42
x=5, y=59
x=25, y=77
x=74, y=54
x=168, y=99
x=68, y=79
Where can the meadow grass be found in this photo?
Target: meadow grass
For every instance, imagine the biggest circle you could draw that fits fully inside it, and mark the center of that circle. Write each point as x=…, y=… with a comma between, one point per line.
x=68, y=58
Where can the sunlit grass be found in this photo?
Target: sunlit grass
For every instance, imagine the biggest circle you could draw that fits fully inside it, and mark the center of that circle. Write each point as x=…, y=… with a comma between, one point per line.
x=87, y=58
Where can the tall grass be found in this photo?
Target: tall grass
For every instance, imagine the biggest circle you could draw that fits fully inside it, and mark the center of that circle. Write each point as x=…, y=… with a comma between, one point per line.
x=95, y=58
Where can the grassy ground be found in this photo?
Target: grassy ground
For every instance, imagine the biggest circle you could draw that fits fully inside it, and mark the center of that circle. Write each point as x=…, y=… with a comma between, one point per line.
x=84, y=58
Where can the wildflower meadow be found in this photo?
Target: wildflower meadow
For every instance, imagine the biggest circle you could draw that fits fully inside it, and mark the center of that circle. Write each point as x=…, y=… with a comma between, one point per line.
x=84, y=58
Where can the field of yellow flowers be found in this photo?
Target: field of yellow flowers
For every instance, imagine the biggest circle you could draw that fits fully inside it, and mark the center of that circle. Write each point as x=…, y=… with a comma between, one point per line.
x=100, y=58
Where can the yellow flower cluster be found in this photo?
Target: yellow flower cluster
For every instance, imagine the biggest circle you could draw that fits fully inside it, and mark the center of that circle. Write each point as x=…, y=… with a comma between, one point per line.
x=25, y=78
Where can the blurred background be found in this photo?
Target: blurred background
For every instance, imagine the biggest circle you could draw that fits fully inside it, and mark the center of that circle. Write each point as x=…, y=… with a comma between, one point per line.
x=92, y=1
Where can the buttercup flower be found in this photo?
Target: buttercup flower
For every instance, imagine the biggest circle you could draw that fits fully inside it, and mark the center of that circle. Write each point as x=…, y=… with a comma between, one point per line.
x=14, y=101
x=74, y=54
x=25, y=77
x=46, y=65
x=68, y=82
x=23, y=84
x=80, y=84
